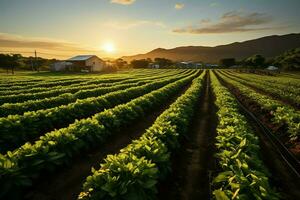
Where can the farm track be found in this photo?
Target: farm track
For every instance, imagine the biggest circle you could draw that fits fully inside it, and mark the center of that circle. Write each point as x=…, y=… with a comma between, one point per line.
x=272, y=96
x=67, y=183
x=284, y=177
x=193, y=162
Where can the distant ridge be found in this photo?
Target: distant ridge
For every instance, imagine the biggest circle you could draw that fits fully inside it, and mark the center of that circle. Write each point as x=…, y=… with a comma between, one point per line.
x=268, y=46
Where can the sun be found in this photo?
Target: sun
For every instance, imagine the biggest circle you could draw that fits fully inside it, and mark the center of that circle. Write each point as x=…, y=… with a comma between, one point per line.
x=109, y=47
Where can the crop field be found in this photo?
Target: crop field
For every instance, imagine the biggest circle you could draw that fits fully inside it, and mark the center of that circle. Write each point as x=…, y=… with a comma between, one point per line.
x=149, y=134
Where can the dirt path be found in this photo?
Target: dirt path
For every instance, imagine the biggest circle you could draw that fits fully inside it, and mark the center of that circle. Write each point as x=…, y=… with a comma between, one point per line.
x=194, y=160
x=67, y=182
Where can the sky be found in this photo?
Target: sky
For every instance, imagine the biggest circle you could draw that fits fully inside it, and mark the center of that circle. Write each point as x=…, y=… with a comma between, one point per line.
x=114, y=28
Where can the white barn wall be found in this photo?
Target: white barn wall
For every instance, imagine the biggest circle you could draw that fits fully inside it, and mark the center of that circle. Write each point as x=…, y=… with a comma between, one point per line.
x=96, y=64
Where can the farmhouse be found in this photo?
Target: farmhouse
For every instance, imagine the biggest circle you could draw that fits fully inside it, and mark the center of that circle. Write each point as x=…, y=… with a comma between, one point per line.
x=90, y=63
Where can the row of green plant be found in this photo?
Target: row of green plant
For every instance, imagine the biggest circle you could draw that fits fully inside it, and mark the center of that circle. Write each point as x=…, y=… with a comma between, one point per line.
x=56, y=148
x=242, y=173
x=32, y=89
x=78, y=92
x=23, y=82
x=282, y=114
x=275, y=83
x=82, y=93
x=18, y=129
x=63, y=99
x=278, y=79
x=135, y=171
x=28, y=81
x=283, y=92
x=46, y=84
x=57, y=82
x=8, y=82
x=66, y=98
x=88, y=84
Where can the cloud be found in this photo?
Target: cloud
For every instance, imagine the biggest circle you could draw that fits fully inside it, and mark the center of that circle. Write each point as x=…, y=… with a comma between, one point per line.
x=123, y=2
x=179, y=6
x=123, y=25
x=17, y=41
x=231, y=22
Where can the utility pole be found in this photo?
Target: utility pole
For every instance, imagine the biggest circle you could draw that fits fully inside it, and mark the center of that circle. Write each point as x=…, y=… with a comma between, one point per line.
x=36, y=63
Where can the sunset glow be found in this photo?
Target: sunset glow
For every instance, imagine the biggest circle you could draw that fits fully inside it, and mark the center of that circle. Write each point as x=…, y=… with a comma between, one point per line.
x=109, y=47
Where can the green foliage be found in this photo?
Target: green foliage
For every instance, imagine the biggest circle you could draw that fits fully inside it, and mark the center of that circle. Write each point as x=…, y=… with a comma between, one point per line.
x=227, y=62
x=10, y=61
x=276, y=87
x=243, y=175
x=142, y=63
x=257, y=61
x=282, y=114
x=289, y=60
x=59, y=147
x=58, y=117
x=163, y=62
x=123, y=176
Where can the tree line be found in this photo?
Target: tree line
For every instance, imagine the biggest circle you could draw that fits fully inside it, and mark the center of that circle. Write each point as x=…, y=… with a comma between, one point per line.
x=11, y=62
x=289, y=60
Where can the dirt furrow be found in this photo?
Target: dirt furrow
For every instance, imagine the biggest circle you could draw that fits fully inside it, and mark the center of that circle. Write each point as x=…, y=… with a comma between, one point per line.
x=194, y=161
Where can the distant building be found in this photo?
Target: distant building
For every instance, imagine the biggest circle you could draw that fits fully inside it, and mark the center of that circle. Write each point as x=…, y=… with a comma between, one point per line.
x=154, y=66
x=89, y=63
x=272, y=68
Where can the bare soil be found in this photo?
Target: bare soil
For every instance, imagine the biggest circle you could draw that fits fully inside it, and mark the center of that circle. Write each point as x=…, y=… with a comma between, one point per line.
x=192, y=164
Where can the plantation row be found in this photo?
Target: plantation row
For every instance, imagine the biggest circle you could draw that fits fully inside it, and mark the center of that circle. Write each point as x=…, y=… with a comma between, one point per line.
x=65, y=97
x=281, y=114
x=58, y=147
x=276, y=83
x=139, y=166
x=34, y=123
x=53, y=82
x=48, y=126
x=77, y=92
x=85, y=84
x=243, y=174
x=25, y=95
x=290, y=93
x=136, y=170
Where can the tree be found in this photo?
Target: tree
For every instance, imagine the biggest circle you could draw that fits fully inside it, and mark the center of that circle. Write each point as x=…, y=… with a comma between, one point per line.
x=227, y=62
x=10, y=61
x=120, y=63
x=163, y=62
x=290, y=60
x=257, y=61
x=142, y=63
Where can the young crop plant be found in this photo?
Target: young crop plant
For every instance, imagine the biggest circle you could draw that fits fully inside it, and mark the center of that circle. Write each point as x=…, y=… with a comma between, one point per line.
x=17, y=129
x=282, y=115
x=136, y=170
x=242, y=173
x=56, y=148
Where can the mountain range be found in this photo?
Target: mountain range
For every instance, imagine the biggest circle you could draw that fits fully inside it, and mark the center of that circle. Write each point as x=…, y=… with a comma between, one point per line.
x=269, y=46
